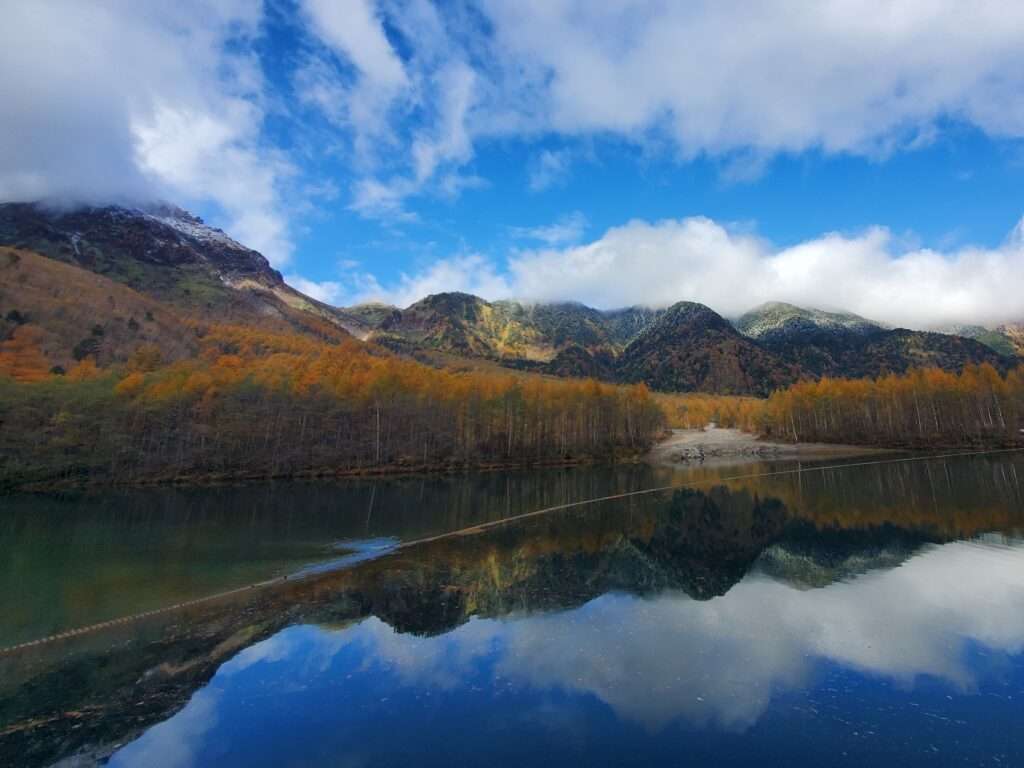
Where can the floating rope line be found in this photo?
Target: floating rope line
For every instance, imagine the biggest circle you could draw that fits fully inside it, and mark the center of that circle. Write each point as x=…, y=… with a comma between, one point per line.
x=481, y=528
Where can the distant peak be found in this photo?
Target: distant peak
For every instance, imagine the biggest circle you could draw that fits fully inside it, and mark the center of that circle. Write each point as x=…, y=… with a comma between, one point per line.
x=691, y=308
x=778, y=305
x=449, y=297
x=779, y=318
x=155, y=232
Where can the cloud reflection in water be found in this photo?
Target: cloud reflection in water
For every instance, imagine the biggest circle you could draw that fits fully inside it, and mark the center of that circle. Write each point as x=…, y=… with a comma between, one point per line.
x=653, y=661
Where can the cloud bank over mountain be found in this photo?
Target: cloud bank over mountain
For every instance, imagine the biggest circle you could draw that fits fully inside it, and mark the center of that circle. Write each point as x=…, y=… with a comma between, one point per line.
x=696, y=259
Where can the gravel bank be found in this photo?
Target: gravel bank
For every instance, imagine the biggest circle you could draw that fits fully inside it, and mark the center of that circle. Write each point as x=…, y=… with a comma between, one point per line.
x=714, y=444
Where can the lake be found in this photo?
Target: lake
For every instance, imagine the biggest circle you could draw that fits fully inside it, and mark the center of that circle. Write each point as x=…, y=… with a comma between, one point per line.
x=852, y=614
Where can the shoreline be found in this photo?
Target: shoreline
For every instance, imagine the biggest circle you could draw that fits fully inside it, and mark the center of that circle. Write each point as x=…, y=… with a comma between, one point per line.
x=718, y=445
x=213, y=479
x=709, y=446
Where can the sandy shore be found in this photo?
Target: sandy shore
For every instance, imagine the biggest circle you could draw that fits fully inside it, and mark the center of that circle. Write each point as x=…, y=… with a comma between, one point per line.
x=717, y=445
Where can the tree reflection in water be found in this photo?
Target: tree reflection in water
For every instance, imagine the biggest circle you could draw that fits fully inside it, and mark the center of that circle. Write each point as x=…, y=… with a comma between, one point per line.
x=696, y=609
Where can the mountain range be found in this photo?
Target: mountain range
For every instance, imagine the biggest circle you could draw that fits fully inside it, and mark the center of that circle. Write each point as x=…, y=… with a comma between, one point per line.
x=99, y=281
x=685, y=347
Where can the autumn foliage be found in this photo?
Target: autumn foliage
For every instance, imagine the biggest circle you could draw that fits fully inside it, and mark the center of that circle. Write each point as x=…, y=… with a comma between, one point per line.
x=268, y=404
x=21, y=357
x=922, y=408
x=257, y=403
x=696, y=410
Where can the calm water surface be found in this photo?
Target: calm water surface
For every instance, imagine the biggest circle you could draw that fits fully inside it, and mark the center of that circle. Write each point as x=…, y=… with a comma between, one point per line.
x=853, y=616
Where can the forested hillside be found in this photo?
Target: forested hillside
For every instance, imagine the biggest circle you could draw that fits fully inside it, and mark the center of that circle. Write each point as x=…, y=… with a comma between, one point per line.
x=83, y=277
x=61, y=315
x=691, y=348
x=258, y=404
x=924, y=408
x=687, y=347
x=144, y=345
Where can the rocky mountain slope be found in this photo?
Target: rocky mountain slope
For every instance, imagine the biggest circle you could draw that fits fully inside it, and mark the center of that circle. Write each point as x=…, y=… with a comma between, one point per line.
x=1014, y=332
x=687, y=347
x=692, y=348
x=465, y=325
x=85, y=276
x=777, y=320
x=844, y=344
x=504, y=329
x=169, y=255
x=1007, y=339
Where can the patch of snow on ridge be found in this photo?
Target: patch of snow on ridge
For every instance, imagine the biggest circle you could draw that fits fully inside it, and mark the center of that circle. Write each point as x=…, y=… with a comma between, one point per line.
x=195, y=229
x=181, y=221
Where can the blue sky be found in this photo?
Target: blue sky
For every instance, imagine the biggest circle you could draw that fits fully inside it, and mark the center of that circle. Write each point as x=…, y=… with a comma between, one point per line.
x=961, y=190
x=865, y=155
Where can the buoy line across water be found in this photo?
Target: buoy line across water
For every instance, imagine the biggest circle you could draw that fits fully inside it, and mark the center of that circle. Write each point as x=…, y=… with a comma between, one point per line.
x=481, y=528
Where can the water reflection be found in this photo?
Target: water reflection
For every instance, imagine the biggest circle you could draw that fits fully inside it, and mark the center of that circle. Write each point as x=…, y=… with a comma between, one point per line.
x=750, y=622
x=656, y=662
x=70, y=561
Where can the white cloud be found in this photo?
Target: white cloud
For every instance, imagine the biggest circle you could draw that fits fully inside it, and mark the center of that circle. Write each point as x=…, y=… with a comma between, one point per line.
x=726, y=79
x=452, y=184
x=549, y=168
x=362, y=102
x=471, y=273
x=568, y=229
x=408, y=120
x=697, y=259
x=108, y=100
x=382, y=199
x=112, y=102
x=716, y=77
x=448, y=140
x=208, y=154
x=353, y=28
x=328, y=291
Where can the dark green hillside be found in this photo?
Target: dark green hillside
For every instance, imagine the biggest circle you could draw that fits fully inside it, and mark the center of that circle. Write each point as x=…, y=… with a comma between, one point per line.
x=843, y=344
x=692, y=348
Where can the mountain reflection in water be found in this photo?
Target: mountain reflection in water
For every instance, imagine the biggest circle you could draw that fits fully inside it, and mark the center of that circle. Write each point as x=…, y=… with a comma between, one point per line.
x=824, y=623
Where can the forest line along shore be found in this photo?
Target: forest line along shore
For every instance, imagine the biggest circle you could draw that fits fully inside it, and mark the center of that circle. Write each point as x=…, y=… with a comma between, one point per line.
x=212, y=479
x=708, y=446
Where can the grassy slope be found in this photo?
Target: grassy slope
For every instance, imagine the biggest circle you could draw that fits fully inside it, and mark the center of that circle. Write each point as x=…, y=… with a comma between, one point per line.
x=69, y=303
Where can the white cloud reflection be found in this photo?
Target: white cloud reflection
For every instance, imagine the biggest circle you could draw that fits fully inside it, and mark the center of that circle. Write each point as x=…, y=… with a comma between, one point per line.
x=718, y=662
x=669, y=658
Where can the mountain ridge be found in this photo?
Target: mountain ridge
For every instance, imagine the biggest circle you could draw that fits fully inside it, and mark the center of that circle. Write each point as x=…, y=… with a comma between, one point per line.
x=693, y=348
x=164, y=252
x=168, y=255
x=778, y=319
x=686, y=347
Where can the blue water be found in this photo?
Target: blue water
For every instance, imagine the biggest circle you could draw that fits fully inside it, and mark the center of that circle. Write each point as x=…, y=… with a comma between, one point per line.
x=858, y=616
x=920, y=664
